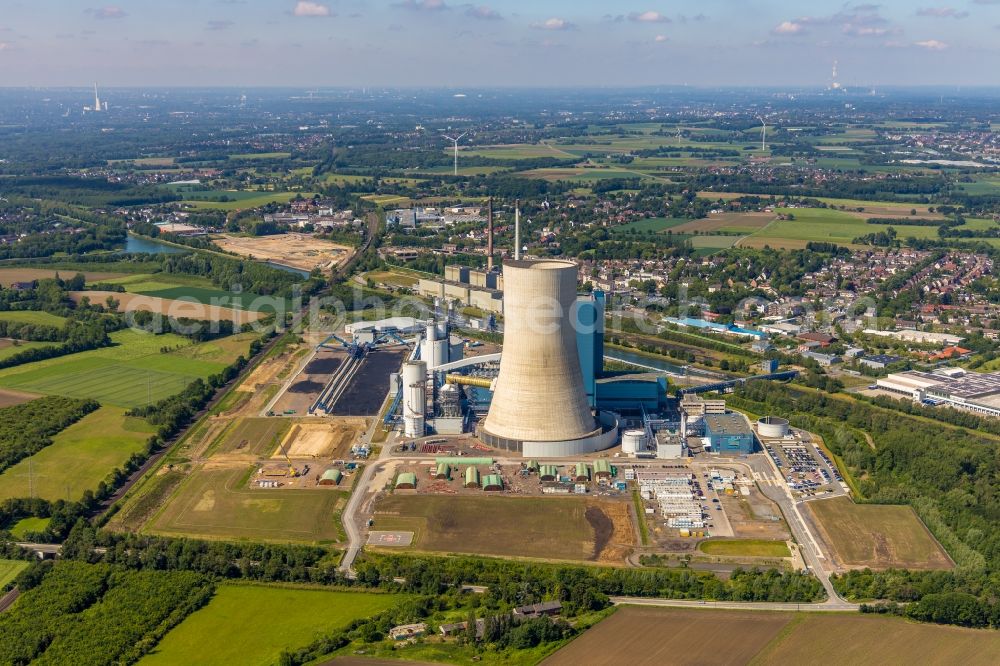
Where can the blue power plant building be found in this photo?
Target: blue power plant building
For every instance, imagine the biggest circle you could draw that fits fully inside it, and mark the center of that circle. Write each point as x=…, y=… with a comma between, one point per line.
x=589, y=326
x=729, y=433
x=618, y=395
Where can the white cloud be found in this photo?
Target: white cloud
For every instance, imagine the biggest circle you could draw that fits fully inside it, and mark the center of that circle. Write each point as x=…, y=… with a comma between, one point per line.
x=788, y=28
x=941, y=12
x=423, y=5
x=660, y=38
x=931, y=45
x=554, y=24
x=107, y=12
x=866, y=31
x=312, y=9
x=482, y=12
x=648, y=17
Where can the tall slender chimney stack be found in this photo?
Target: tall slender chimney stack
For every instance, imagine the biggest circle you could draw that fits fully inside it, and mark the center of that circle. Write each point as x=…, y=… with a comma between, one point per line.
x=517, y=229
x=489, y=235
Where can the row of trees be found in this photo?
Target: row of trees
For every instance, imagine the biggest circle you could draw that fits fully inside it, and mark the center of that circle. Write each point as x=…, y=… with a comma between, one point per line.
x=27, y=429
x=75, y=613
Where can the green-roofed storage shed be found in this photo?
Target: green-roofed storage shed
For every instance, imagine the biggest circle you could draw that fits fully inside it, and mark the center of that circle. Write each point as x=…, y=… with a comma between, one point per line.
x=471, y=477
x=443, y=471
x=331, y=477
x=582, y=473
x=492, y=482
x=406, y=481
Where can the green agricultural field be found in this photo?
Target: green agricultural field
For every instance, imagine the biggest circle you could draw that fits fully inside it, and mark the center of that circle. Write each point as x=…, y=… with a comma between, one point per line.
x=983, y=185
x=9, y=348
x=387, y=200
x=23, y=527
x=261, y=156
x=217, y=503
x=9, y=570
x=745, y=548
x=713, y=242
x=249, y=625
x=216, y=296
x=514, y=151
x=573, y=528
x=877, y=536
x=131, y=373
x=32, y=317
x=827, y=225
x=79, y=458
x=653, y=224
x=240, y=200
x=462, y=170
x=581, y=174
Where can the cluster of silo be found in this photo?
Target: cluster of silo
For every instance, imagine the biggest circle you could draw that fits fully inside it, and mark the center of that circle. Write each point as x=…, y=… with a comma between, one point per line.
x=434, y=347
x=539, y=405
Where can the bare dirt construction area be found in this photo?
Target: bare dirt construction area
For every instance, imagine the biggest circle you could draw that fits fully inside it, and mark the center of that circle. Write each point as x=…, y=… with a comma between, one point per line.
x=179, y=309
x=10, y=398
x=876, y=536
x=8, y=276
x=300, y=251
x=324, y=438
x=674, y=636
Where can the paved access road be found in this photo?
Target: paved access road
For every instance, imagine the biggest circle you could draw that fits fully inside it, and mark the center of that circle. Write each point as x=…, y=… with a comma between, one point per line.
x=826, y=606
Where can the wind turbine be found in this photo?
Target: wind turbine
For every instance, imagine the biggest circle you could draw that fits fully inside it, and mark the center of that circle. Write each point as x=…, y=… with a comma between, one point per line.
x=763, y=135
x=455, y=140
x=678, y=135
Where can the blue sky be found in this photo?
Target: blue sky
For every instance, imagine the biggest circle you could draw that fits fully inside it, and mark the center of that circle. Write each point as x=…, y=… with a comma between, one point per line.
x=489, y=42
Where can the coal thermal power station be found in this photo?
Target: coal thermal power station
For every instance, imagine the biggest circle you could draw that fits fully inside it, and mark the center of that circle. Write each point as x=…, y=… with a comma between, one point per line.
x=540, y=405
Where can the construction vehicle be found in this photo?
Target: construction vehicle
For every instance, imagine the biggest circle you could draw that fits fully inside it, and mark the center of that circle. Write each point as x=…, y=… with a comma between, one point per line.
x=291, y=468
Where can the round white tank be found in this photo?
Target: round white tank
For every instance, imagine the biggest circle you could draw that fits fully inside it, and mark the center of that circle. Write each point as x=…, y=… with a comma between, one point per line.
x=413, y=426
x=440, y=352
x=633, y=441
x=772, y=427
x=414, y=389
x=431, y=333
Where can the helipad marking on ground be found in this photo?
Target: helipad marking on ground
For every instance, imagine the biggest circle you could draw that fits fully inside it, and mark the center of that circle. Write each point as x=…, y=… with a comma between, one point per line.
x=390, y=539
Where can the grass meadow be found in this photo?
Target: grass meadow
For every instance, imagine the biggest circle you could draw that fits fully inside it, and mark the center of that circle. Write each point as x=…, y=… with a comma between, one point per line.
x=79, y=458
x=216, y=503
x=251, y=625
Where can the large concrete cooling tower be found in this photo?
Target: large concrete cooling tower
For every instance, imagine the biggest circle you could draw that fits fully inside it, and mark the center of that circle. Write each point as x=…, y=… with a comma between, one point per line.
x=539, y=396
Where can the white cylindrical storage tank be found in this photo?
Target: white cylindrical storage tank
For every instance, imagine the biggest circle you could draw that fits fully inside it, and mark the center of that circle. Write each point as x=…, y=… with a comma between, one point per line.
x=633, y=441
x=431, y=332
x=413, y=426
x=539, y=394
x=772, y=426
x=440, y=352
x=414, y=389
